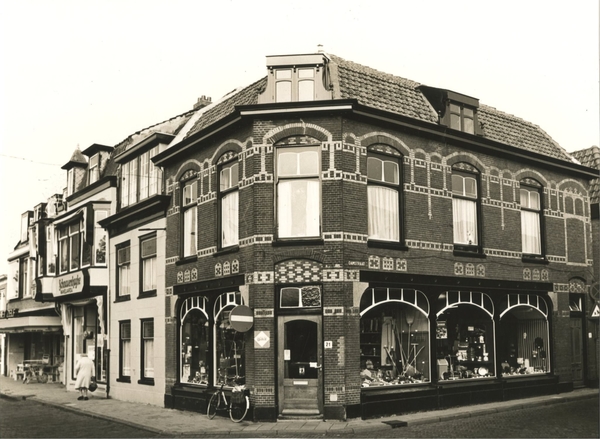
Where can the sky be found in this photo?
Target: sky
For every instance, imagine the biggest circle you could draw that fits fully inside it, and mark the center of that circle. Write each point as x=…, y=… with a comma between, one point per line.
x=75, y=73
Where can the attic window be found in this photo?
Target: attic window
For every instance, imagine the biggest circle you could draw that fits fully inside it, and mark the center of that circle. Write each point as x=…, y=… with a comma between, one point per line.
x=462, y=118
x=94, y=169
x=294, y=84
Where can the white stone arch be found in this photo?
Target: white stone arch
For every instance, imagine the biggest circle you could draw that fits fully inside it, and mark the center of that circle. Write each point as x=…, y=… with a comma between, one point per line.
x=450, y=299
x=528, y=300
x=474, y=160
x=396, y=141
x=299, y=128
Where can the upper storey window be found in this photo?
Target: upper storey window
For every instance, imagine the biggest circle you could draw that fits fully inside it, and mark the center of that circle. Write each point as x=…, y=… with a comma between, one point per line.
x=140, y=178
x=383, y=193
x=229, y=203
x=465, y=207
x=298, y=192
x=456, y=110
x=531, y=208
x=94, y=168
x=189, y=208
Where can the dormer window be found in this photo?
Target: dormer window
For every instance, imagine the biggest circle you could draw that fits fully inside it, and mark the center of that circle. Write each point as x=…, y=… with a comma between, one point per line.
x=295, y=85
x=70, y=181
x=94, y=168
x=462, y=118
x=296, y=78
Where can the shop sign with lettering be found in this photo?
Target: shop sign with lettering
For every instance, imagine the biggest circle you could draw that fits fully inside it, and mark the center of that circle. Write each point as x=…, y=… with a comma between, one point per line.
x=71, y=283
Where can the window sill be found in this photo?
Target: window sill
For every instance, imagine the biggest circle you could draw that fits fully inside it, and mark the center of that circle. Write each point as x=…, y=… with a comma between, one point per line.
x=227, y=250
x=146, y=381
x=146, y=294
x=124, y=380
x=535, y=259
x=122, y=298
x=387, y=244
x=297, y=242
x=468, y=251
x=187, y=260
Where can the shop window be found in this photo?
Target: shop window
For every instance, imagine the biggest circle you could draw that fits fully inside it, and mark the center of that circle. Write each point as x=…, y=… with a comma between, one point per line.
x=123, y=270
x=147, y=347
x=383, y=195
x=194, y=341
x=229, y=203
x=148, y=265
x=465, y=207
x=298, y=192
x=190, y=218
x=125, y=351
x=394, y=337
x=85, y=331
x=300, y=297
x=464, y=336
x=229, y=345
x=523, y=341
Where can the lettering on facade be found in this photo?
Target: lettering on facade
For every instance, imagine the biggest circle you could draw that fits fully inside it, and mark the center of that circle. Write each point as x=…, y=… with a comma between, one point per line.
x=73, y=284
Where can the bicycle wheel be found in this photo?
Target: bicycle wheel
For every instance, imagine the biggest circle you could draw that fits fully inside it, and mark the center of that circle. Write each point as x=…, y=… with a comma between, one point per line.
x=239, y=407
x=213, y=404
x=43, y=378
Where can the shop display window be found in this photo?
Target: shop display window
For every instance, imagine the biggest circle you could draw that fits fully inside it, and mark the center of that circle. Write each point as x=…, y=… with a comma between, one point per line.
x=194, y=341
x=523, y=343
x=229, y=344
x=464, y=336
x=394, y=337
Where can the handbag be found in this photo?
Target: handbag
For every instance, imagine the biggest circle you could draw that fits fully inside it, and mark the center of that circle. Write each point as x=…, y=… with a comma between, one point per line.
x=93, y=386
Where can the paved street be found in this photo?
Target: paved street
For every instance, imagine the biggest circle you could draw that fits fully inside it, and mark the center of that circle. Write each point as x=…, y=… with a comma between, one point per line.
x=26, y=418
x=574, y=419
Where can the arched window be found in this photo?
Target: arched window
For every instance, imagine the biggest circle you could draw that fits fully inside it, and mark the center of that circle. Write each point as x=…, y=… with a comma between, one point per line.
x=523, y=345
x=189, y=212
x=383, y=193
x=194, y=341
x=229, y=345
x=464, y=335
x=394, y=337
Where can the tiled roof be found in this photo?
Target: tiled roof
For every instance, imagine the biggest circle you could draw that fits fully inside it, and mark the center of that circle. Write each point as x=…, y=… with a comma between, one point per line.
x=246, y=96
x=170, y=126
x=398, y=95
x=380, y=90
x=590, y=157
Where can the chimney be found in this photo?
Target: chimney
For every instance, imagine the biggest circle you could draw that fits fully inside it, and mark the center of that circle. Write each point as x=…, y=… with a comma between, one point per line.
x=203, y=101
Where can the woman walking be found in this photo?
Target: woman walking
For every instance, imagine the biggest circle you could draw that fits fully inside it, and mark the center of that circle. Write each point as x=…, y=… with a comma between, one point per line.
x=85, y=371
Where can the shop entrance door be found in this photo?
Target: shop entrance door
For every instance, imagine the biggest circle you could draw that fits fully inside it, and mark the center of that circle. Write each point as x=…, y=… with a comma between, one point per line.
x=577, y=352
x=300, y=373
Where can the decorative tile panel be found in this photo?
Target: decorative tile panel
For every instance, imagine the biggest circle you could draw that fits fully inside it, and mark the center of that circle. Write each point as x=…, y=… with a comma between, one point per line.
x=374, y=262
x=186, y=276
x=459, y=269
x=298, y=270
x=535, y=274
x=480, y=270
x=235, y=266
x=470, y=270
x=401, y=265
x=526, y=274
x=180, y=277
x=388, y=264
x=218, y=269
x=545, y=276
x=226, y=268
x=194, y=275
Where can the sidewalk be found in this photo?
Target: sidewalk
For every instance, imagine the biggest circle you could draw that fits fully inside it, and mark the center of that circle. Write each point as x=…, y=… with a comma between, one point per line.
x=181, y=423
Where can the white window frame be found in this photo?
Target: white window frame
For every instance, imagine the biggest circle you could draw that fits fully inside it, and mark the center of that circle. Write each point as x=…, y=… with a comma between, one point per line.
x=290, y=196
x=383, y=198
x=147, y=347
x=295, y=84
x=124, y=270
x=148, y=264
x=531, y=225
x=465, y=209
x=228, y=196
x=125, y=350
x=189, y=212
x=94, y=168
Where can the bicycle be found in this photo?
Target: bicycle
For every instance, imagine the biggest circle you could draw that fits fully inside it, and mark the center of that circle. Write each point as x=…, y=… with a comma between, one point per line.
x=237, y=404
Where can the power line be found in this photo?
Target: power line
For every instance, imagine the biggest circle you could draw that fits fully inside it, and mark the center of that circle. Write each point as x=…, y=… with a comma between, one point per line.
x=28, y=160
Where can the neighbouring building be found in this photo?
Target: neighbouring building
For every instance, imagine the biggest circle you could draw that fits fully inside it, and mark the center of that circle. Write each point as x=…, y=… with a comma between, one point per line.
x=403, y=247
x=591, y=157
x=3, y=283
x=32, y=330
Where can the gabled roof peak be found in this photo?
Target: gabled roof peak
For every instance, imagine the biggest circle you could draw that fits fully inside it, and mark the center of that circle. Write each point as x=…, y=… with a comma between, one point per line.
x=77, y=160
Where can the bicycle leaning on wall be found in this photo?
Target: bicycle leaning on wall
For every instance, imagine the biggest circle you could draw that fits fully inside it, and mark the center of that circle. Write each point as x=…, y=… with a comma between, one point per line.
x=237, y=404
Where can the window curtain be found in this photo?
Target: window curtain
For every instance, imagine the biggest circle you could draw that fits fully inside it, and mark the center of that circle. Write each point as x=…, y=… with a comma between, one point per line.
x=230, y=219
x=126, y=345
x=383, y=213
x=66, y=316
x=149, y=277
x=530, y=232
x=298, y=208
x=189, y=239
x=465, y=221
x=149, y=358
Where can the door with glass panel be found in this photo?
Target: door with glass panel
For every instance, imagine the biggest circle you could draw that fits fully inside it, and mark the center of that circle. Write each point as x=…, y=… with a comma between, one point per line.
x=300, y=365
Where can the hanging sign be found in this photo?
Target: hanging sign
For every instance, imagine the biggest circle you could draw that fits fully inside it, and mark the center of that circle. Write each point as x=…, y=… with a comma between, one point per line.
x=241, y=318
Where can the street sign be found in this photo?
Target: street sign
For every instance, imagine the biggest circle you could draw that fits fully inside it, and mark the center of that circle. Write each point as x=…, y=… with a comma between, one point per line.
x=262, y=339
x=241, y=318
x=596, y=311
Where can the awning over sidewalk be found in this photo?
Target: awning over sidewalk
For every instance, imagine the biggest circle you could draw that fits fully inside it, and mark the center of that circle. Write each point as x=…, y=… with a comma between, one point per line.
x=30, y=324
